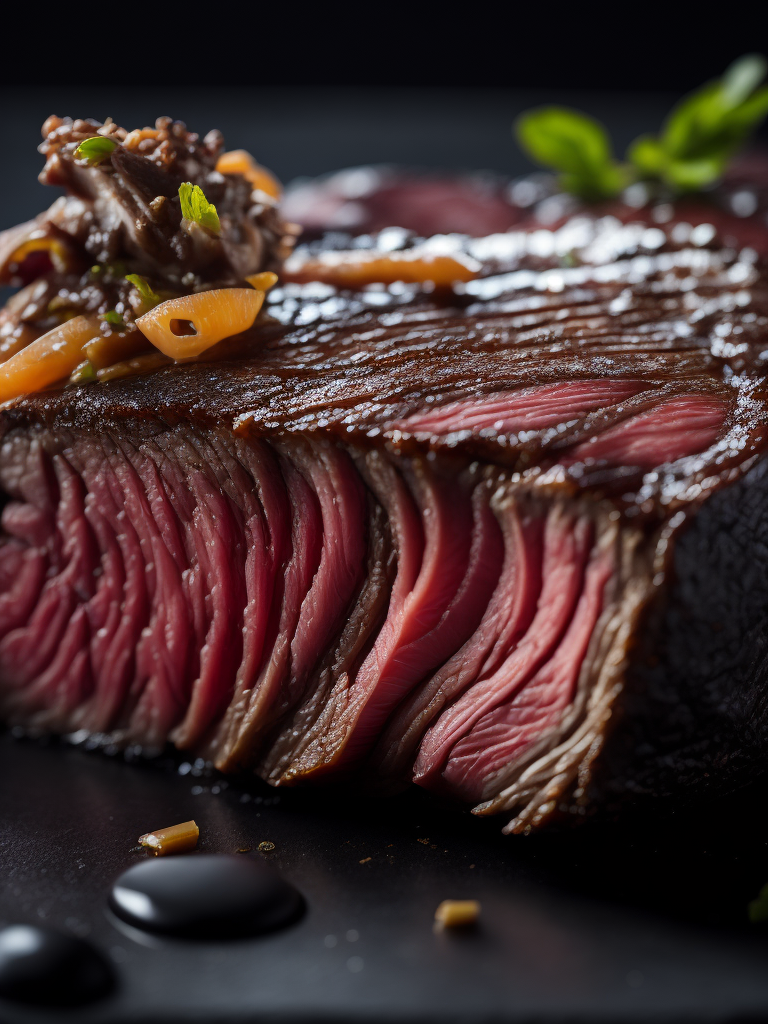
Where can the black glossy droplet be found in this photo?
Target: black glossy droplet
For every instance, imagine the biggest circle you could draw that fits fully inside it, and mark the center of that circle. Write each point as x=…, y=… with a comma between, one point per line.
x=45, y=967
x=205, y=896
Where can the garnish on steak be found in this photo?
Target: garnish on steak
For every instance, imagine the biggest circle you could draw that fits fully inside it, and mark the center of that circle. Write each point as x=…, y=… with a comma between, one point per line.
x=150, y=216
x=507, y=540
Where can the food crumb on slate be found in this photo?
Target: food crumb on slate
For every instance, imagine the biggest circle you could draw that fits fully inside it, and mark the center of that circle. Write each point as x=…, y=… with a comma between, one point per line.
x=457, y=913
x=176, y=839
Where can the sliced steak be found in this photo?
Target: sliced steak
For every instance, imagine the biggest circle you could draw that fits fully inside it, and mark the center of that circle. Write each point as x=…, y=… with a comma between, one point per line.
x=506, y=541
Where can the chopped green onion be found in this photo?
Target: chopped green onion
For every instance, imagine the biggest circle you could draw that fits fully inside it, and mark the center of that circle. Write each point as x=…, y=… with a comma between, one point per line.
x=114, y=318
x=195, y=207
x=96, y=149
x=142, y=286
x=83, y=374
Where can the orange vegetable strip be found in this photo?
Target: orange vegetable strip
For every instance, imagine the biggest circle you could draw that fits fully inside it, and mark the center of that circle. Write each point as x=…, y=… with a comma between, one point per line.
x=176, y=839
x=183, y=328
x=130, y=367
x=358, y=268
x=47, y=359
x=238, y=161
x=263, y=281
x=134, y=139
x=12, y=343
x=114, y=348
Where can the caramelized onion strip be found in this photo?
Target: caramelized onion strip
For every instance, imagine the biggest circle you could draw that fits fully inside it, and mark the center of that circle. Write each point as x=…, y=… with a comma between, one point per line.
x=55, y=249
x=47, y=359
x=185, y=327
x=131, y=367
x=238, y=161
x=357, y=268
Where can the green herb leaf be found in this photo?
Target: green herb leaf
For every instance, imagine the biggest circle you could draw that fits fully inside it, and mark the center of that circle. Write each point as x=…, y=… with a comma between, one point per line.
x=96, y=149
x=648, y=156
x=743, y=77
x=757, y=909
x=574, y=144
x=141, y=284
x=195, y=207
x=705, y=129
x=696, y=143
x=83, y=374
x=114, y=318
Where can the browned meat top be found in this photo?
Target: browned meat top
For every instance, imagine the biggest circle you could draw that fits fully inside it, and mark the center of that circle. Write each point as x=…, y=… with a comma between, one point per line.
x=667, y=312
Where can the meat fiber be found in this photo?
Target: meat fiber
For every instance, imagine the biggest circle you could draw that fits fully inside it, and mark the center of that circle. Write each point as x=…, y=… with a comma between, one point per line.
x=508, y=542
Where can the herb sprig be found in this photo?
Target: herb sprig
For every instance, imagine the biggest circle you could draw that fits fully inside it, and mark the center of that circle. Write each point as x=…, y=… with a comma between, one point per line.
x=696, y=143
x=576, y=145
x=195, y=207
x=143, y=287
x=96, y=150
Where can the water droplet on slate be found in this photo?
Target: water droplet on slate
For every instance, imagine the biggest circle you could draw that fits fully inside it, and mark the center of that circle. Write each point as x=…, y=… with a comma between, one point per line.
x=45, y=967
x=205, y=896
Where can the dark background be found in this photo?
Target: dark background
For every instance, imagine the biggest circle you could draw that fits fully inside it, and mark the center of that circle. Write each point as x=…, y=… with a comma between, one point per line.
x=669, y=46
x=311, y=90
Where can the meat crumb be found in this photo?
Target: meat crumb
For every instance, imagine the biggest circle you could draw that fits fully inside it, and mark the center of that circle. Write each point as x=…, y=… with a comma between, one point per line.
x=457, y=913
x=176, y=839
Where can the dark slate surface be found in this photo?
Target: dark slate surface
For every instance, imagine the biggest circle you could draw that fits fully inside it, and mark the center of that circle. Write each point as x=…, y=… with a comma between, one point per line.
x=597, y=924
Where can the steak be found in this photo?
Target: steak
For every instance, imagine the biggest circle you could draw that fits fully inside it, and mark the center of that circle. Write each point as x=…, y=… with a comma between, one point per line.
x=508, y=540
x=363, y=200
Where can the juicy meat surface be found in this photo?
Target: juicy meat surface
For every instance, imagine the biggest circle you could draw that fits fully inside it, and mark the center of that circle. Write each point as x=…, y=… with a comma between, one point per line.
x=400, y=535
x=369, y=199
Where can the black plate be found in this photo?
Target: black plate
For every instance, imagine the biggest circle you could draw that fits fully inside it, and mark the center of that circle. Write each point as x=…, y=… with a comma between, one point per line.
x=594, y=924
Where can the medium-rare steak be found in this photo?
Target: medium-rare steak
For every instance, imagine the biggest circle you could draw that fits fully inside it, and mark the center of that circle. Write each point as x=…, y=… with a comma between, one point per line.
x=507, y=540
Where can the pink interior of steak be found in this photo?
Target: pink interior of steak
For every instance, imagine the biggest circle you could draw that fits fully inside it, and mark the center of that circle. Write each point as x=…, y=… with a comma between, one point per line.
x=510, y=707
x=661, y=432
x=304, y=609
x=529, y=409
x=678, y=427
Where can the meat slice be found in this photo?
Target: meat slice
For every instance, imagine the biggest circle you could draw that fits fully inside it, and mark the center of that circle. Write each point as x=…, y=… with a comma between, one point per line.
x=530, y=409
x=470, y=539
x=317, y=596
x=678, y=427
x=507, y=617
x=565, y=548
x=502, y=736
